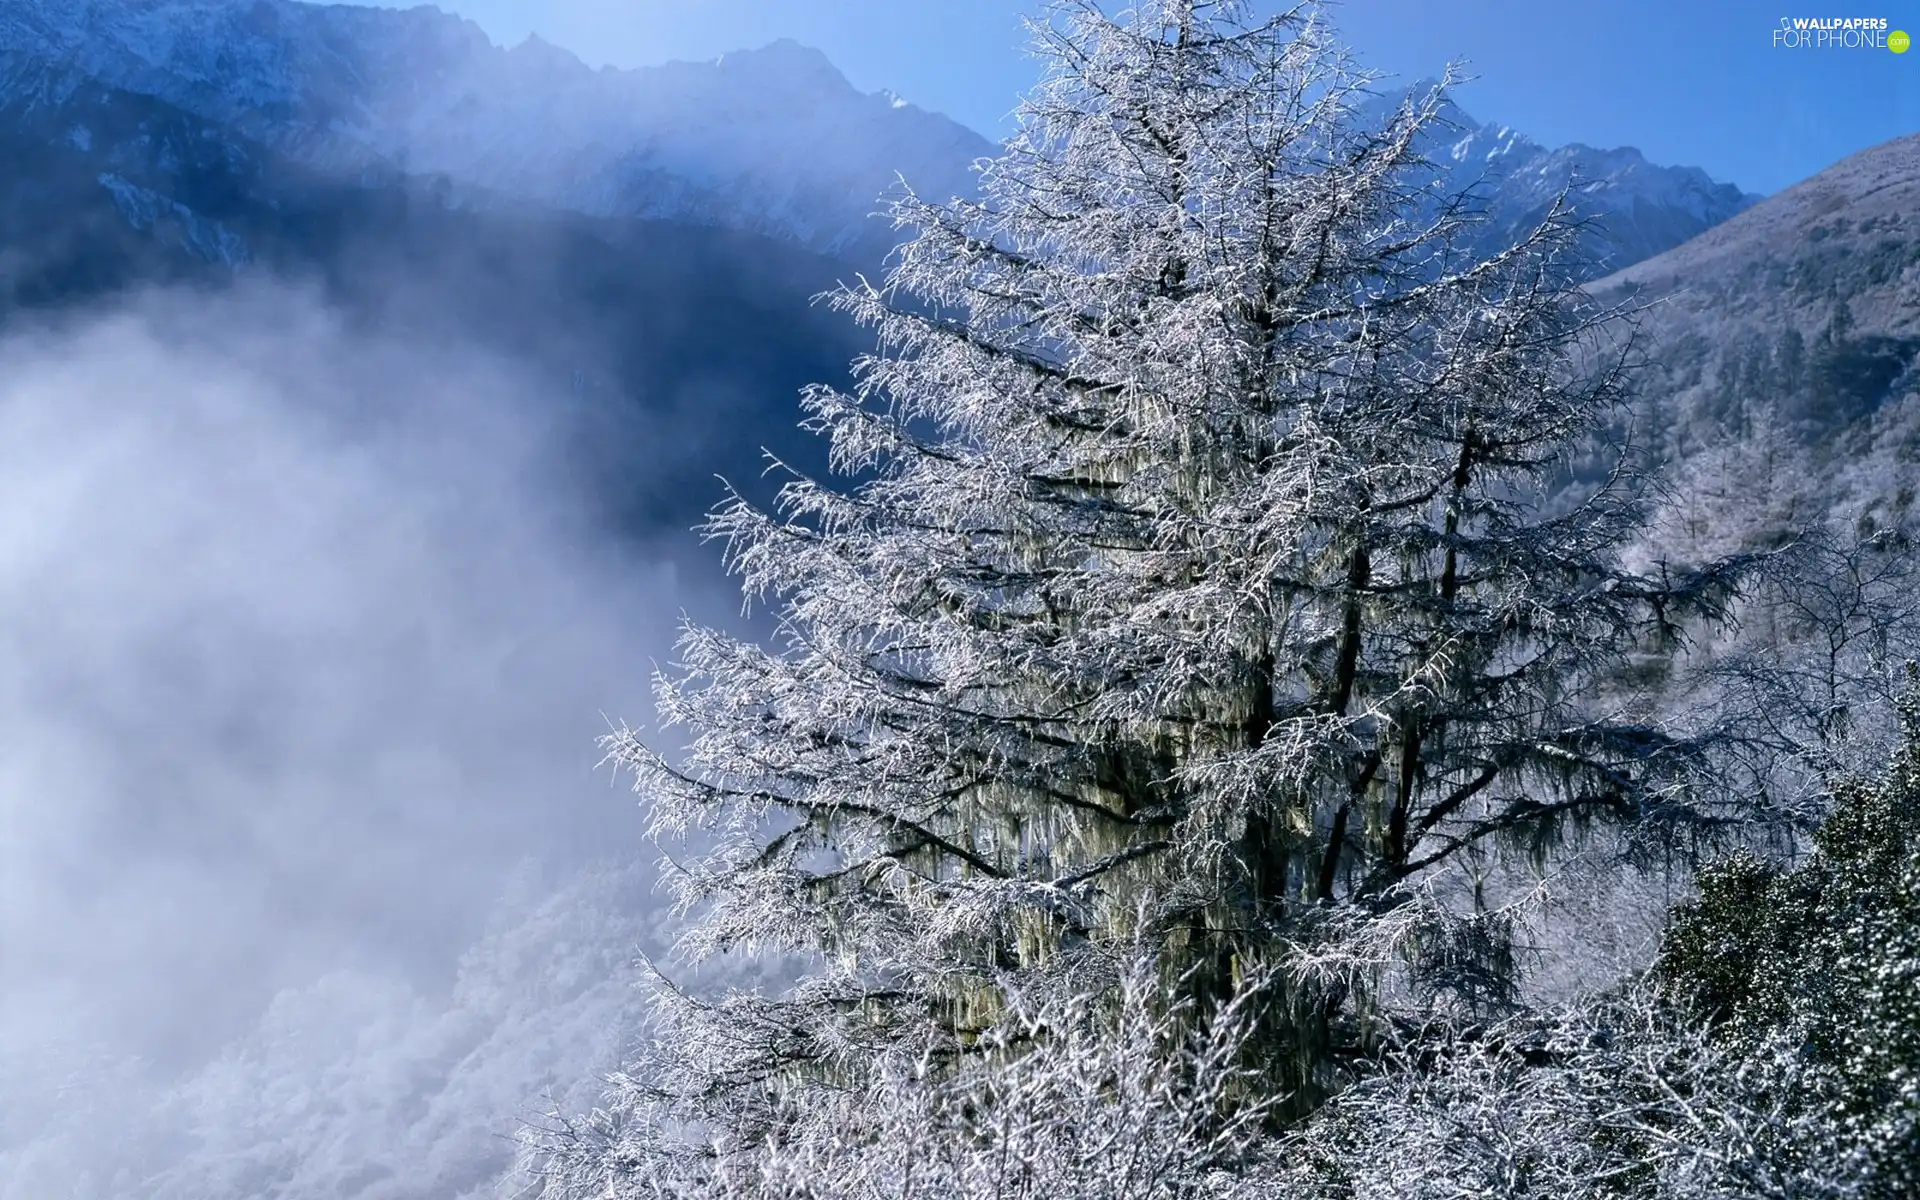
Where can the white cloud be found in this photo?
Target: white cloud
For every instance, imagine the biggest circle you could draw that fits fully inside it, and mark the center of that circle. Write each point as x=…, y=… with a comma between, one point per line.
x=303, y=647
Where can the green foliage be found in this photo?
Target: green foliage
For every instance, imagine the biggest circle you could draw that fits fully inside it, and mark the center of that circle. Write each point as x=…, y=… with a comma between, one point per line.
x=1821, y=962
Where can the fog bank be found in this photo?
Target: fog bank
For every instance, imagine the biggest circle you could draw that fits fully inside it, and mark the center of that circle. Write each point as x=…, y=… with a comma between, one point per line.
x=305, y=637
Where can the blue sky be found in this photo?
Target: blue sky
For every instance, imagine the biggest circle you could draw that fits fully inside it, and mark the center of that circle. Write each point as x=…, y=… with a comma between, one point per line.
x=1687, y=81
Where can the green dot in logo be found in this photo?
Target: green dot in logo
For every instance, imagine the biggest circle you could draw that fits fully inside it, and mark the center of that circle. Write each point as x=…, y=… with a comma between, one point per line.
x=1898, y=41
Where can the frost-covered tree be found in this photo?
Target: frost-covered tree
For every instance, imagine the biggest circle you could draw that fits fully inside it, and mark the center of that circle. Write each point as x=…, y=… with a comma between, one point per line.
x=1112, y=1095
x=1811, y=672
x=1196, y=581
x=1774, y=1050
x=1614, y=1098
x=1811, y=667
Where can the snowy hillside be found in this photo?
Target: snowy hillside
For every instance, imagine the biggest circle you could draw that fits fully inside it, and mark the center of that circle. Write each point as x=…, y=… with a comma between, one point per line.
x=1797, y=321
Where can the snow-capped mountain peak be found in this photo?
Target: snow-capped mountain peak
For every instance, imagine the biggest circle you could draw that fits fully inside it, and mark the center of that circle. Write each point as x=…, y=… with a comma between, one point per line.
x=1644, y=208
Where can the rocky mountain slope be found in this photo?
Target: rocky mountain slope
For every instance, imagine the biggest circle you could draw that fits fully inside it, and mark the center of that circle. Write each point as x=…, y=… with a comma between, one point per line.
x=1794, y=325
x=772, y=141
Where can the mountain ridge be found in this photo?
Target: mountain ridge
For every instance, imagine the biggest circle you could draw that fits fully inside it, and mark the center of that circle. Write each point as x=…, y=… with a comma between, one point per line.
x=773, y=140
x=1639, y=208
x=1894, y=166
x=1790, y=334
